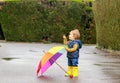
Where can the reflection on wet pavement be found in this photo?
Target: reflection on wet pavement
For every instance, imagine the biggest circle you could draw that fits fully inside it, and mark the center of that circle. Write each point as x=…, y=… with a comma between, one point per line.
x=19, y=61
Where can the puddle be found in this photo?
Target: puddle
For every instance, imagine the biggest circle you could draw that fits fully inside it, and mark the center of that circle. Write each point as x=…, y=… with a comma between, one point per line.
x=108, y=64
x=33, y=51
x=90, y=52
x=98, y=64
x=8, y=59
x=112, y=62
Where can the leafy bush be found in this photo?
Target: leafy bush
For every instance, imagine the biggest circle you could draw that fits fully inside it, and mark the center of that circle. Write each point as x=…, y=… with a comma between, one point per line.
x=107, y=17
x=33, y=21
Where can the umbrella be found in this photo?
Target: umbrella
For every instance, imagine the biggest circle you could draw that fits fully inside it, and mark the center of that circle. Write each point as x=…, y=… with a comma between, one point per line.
x=49, y=58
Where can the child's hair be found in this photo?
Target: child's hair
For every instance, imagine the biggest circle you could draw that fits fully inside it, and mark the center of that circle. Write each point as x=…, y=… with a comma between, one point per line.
x=76, y=33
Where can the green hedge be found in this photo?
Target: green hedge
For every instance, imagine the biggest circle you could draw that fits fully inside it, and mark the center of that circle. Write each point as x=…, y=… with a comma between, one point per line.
x=107, y=17
x=32, y=21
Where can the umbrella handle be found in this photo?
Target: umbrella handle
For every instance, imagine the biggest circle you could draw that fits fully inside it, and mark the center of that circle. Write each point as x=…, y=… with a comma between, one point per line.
x=71, y=76
x=59, y=66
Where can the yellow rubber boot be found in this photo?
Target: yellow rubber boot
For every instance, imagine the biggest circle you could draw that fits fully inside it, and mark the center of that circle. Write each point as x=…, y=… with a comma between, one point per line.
x=75, y=71
x=70, y=68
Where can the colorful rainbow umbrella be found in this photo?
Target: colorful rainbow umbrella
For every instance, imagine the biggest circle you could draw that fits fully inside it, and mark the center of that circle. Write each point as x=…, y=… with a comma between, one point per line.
x=49, y=58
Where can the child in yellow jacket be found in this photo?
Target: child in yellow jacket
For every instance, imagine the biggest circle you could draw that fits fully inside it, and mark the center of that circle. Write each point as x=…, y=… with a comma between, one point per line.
x=73, y=46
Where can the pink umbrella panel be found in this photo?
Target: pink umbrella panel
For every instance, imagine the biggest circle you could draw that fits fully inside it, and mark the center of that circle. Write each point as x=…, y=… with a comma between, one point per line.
x=49, y=58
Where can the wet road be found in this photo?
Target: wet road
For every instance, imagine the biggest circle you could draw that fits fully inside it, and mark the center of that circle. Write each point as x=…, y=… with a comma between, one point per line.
x=19, y=61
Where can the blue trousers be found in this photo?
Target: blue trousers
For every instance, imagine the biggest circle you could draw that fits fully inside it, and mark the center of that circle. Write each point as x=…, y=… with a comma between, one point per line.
x=72, y=62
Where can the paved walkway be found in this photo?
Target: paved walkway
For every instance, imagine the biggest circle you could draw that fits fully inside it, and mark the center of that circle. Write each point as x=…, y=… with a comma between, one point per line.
x=18, y=64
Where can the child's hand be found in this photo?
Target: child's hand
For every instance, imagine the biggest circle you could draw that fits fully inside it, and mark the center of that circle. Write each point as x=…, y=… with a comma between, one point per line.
x=64, y=37
x=65, y=40
x=66, y=48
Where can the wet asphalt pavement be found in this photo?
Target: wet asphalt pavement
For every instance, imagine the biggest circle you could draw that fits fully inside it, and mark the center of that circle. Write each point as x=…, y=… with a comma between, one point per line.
x=19, y=61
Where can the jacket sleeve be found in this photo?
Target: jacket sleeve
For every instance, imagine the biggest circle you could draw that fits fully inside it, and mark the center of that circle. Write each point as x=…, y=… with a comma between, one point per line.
x=72, y=49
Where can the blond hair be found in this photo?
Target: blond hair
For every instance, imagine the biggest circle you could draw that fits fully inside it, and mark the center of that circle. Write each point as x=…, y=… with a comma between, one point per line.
x=76, y=33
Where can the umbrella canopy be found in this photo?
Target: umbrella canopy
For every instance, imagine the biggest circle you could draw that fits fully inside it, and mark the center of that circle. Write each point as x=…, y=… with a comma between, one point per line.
x=49, y=58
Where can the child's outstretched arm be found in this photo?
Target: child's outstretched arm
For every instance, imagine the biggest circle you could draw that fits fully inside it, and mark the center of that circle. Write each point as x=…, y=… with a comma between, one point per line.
x=72, y=49
x=65, y=40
